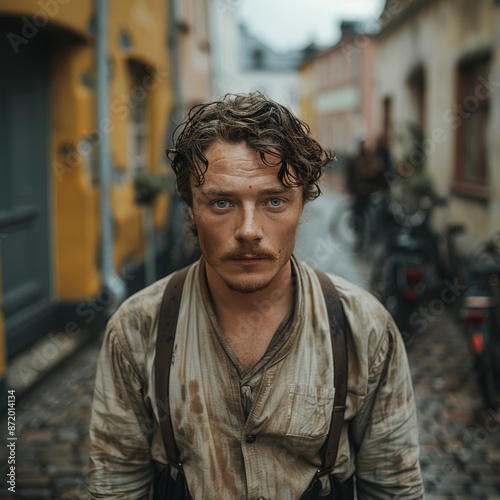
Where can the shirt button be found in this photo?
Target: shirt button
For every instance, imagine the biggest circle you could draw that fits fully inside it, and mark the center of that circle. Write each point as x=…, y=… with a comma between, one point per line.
x=251, y=439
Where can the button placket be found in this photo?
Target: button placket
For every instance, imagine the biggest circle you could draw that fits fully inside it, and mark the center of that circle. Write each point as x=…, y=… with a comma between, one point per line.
x=250, y=445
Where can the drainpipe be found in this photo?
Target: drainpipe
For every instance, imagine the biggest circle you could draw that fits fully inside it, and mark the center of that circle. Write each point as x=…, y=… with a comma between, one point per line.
x=111, y=282
x=175, y=68
x=149, y=236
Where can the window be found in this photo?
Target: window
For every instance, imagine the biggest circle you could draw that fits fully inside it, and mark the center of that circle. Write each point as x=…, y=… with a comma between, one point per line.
x=356, y=67
x=470, y=119
x=387, y=118
x=257, y=59
x=200, y=22
x=139, y=133
x=416, y=84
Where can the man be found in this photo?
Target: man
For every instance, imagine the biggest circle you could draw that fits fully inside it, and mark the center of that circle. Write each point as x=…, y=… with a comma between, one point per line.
x=251, y=378
x=366, y=175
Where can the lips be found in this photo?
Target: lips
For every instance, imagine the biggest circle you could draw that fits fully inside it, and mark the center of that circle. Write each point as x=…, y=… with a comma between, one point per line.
x=250, y=258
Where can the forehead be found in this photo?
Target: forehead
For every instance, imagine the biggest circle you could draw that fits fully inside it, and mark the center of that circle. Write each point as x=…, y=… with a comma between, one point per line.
x=235, y=169
x=221, y=150
x=237, y=160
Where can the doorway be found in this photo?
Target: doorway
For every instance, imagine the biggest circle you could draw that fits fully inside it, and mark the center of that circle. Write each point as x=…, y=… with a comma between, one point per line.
x=24, y=190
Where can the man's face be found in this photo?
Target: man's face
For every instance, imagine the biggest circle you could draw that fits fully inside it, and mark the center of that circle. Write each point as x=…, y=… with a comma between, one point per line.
x=246, y=219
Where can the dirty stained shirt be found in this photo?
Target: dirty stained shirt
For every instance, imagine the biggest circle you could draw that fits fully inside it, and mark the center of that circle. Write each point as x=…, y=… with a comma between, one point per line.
x=258, y=433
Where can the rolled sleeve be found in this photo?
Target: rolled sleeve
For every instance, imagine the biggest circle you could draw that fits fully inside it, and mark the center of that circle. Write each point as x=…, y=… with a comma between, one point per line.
x=385, y=430
x=120, y=427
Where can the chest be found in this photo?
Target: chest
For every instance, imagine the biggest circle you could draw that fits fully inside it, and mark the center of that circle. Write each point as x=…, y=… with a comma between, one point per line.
x=244, y=428
x=291, y=392
x=279, y=434
x=248, y=344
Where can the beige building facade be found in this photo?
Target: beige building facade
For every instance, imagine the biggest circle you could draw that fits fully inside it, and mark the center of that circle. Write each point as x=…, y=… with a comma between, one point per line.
x=337, y=91
x=438, y=76
x=190, y=44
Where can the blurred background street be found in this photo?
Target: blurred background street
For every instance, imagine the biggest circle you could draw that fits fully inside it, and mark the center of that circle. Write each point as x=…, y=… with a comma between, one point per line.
x=407, y=93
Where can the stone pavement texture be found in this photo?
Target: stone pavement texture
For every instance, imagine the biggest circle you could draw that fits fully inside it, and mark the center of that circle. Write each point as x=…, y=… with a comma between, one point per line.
x=460, y=439
x=52, y=422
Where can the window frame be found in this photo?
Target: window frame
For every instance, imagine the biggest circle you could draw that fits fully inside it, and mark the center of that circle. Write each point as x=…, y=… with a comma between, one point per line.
x=471, y=127
x=139, y=126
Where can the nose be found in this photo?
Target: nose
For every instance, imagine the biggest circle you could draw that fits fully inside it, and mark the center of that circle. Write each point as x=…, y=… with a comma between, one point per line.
x=249, y=227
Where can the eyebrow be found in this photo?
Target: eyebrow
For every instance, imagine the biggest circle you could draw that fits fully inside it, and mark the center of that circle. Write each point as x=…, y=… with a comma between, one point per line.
x=215, y=191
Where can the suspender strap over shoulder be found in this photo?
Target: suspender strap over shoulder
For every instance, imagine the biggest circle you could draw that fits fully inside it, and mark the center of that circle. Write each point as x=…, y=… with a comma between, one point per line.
x=338, y=333
x=167, y=326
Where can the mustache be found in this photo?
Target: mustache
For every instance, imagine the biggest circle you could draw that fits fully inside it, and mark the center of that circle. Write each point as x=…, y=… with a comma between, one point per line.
x=240, y=253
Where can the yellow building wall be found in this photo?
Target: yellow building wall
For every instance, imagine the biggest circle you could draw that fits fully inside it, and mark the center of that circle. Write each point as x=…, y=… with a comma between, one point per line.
x=76, y=216
x=76, y=199
x=145, y=23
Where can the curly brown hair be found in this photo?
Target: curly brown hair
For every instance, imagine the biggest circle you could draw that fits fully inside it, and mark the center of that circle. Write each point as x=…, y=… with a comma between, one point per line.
x=264, y=125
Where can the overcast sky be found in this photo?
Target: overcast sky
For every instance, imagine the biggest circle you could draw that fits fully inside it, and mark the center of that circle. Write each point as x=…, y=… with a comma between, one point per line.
x=290, y=24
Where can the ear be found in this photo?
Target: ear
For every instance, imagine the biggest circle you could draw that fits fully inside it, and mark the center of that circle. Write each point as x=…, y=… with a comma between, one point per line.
x=191, y=214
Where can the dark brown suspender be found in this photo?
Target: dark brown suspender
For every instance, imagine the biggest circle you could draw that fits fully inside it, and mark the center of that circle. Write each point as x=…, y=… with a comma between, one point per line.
x=167, y=326
x=338, y=333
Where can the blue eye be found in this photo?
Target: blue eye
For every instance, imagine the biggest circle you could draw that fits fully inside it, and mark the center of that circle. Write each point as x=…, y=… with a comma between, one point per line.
x=276, y=202
x=221, y=203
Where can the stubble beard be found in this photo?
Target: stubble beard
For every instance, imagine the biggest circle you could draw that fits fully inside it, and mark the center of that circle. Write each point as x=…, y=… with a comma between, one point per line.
x=246, y=288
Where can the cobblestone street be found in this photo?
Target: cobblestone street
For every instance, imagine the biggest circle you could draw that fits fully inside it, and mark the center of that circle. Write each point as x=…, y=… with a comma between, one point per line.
x=52, y=429
x=460, y=439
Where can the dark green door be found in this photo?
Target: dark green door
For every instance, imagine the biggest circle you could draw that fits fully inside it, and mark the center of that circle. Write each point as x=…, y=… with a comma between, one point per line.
x=24, y=190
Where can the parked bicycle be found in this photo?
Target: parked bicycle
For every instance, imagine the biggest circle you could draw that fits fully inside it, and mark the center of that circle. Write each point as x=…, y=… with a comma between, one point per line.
x=480, y=314
x=407, y=270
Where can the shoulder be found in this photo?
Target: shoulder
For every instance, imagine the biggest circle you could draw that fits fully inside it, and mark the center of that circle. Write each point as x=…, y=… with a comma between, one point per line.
x=362, y=310
x=139, y=312
x=359, y=302
x=132, y=330
x=372, y=334
x=368, y=319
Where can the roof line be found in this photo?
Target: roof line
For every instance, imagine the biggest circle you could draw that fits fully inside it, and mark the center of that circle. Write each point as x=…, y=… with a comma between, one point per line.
x=412, y=8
